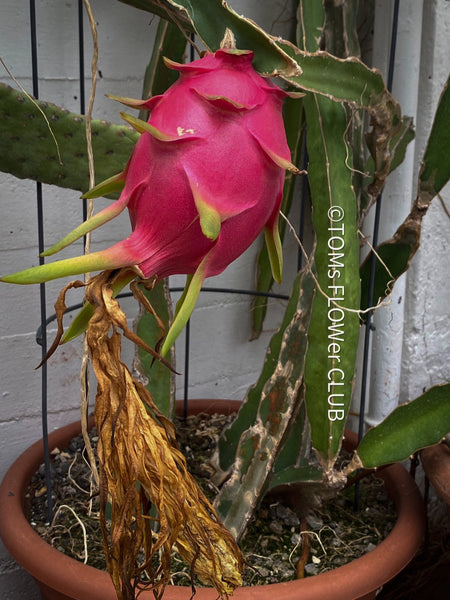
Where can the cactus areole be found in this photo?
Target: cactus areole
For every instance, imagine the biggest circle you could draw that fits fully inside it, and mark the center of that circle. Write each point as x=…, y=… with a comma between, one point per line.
x=204, y=179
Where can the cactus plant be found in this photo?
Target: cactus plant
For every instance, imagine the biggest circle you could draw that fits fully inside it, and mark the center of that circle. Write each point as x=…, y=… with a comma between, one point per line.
x=302, y=397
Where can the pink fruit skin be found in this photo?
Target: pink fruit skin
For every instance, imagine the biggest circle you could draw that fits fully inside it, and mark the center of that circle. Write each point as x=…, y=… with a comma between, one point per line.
x=218, y=121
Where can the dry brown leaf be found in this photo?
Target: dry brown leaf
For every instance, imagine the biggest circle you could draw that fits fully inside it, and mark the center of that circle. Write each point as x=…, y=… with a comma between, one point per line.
x=141, y=467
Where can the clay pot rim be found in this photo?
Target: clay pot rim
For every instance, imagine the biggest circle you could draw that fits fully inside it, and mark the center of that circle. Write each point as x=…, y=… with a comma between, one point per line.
x=354, y=580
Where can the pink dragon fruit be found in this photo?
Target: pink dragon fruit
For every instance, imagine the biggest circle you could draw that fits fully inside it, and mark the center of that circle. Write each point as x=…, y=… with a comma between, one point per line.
x=204, y=179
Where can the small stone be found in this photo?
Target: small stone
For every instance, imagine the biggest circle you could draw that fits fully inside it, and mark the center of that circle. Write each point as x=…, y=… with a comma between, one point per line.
x=296, y=538
x=287, y=515
x=335, y=542
x=68, y=491
x=337, y=529
x=314, y=521
x=40, y=492
x=64, y=456
x=281, y=511
x=276, y=526
x=311, y=569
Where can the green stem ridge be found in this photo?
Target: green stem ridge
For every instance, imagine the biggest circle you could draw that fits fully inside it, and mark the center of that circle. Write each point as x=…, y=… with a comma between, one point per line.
x=275, y=411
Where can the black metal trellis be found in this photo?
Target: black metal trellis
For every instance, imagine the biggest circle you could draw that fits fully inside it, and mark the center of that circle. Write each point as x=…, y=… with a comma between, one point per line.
x=41, y=336
x=42, y=289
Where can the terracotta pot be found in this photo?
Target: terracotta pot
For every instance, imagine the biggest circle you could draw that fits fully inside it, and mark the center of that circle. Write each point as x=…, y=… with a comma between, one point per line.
x=436, y=464
x=62, y=578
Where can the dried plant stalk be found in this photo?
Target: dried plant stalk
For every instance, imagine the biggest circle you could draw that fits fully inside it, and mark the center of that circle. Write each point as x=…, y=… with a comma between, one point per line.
x=140, y=467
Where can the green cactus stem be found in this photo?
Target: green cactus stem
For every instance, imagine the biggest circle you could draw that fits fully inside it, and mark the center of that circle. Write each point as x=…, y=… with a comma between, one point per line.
x=159, y=380
x=29, y=151
x=410, y=427
x=276, y=408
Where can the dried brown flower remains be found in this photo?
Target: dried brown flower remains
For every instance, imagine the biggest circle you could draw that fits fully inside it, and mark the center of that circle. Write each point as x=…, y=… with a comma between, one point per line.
x=156, y=505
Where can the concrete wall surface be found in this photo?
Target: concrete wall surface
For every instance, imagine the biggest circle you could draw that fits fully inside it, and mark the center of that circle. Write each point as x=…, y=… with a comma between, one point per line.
x=126, y=35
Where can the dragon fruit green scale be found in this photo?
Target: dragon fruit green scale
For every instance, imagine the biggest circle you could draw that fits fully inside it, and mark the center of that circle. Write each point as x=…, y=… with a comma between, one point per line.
x=204, y=179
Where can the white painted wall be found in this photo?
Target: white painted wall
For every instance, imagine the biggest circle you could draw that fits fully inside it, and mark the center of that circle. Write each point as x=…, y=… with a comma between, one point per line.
x=426, y=340
x=125, y=38
x=411, y=341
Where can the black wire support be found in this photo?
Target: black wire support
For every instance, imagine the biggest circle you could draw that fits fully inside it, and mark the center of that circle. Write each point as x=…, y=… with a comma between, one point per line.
x=82, y=90
x=187, y=354
x=218, y=290
x=42, y=289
